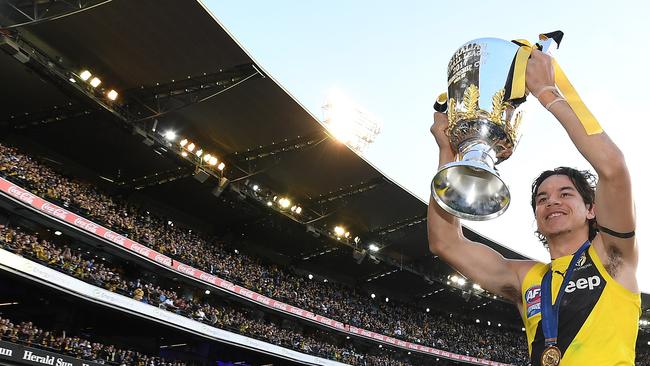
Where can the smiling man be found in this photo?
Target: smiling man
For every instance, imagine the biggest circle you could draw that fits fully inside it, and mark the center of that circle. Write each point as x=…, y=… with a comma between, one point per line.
x=583, y=308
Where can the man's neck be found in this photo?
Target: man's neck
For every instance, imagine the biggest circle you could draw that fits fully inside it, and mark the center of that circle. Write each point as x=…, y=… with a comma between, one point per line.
x=565, y=244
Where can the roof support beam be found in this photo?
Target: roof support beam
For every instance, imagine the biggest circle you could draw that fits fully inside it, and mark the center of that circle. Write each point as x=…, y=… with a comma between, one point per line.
x=19, y=13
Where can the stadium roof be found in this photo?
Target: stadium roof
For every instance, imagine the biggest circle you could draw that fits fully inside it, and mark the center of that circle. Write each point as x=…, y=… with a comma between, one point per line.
x=175, y=67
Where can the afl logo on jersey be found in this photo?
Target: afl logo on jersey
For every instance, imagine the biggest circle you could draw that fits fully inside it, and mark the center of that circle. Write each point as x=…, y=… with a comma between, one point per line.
x=533, y=301
x=581, y=261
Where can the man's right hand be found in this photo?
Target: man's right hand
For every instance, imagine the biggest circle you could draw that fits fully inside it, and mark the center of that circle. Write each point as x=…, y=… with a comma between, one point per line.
x=439, y=132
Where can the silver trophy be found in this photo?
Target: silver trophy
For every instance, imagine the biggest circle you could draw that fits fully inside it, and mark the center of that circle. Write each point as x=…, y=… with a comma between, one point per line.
x=483, y=128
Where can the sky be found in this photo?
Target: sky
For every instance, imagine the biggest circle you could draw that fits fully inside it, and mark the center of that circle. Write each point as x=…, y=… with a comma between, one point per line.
x=390, y=58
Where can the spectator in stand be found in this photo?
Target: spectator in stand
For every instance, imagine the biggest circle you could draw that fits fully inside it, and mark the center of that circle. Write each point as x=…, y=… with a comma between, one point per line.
x=28, y=334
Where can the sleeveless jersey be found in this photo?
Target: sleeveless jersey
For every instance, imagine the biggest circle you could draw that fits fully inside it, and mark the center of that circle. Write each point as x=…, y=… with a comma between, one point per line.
x=599, y=318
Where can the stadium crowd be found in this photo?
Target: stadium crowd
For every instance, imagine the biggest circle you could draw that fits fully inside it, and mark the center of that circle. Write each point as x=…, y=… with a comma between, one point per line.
x=330, y=299
x=193, y=305
x=61, y=342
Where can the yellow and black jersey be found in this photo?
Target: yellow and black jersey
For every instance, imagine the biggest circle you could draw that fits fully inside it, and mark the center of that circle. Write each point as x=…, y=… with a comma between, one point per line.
x=598, y=320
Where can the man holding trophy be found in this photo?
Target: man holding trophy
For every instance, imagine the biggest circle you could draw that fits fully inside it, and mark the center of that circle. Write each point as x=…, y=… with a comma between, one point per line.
x=583, y=308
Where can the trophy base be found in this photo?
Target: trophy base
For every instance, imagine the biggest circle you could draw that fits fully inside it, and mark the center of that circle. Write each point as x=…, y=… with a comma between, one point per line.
x=470, y=190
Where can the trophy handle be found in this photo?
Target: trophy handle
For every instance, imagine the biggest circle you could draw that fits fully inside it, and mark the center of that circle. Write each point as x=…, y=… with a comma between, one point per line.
x=549, y=42
x=441, y=103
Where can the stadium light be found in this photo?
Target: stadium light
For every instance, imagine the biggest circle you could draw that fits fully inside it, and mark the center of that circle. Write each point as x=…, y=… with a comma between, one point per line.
x=349, y=123
x=284, y=202
x=489, y=322
x=207, y=157
x=339, y=231
x=380, y=346
x=199, y=152
x=461, y=281
x=72, y=80
x=183, y=142
x=428, y=310
x=476, y=286
x=347, y=234
x=94, y=82
x=256, y=188
x=269, y=203
x=207, y=292
x=112, y=94
x=499, y=325
x=478, y=320
x=298, y=210
x=523, y=329
x=85, y=75
x=213, y=161
x=191, y=147
x=311, y=276
x=386, y=299
x=221, y=166
x=184, y=154
x=170, y=135
x=373, y=247
x=57, y=233
x=372, y=296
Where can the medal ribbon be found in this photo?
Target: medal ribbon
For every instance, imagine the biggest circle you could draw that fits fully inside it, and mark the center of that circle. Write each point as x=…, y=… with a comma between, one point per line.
x=518, y=88
x=550, y=311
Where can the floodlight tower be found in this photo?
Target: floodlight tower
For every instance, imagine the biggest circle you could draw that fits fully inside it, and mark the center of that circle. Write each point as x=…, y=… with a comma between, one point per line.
x=349, y=123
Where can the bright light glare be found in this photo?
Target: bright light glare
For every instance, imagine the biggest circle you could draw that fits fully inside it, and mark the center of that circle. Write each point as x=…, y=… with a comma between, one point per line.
x=298, y=210
x=207, y=157
x=221, y=166
x=284, y=202
x=461, y=281
x=191, y=147
x=170, y=135
x=349, y=123
x=199, y=152
x=85, y=75
x=339, y=231
x=94, y=82
x=183, y=142
x=476, y=286
x=373, y=247
x=112, y=94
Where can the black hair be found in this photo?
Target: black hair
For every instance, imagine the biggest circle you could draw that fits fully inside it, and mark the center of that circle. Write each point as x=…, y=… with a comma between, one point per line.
x=584, y=182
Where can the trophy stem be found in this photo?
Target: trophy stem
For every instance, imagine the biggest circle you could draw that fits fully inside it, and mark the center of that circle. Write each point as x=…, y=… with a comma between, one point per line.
x=480, y=152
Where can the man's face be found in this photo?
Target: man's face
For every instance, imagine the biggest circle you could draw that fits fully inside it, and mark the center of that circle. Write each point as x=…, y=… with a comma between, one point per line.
x=559, y=208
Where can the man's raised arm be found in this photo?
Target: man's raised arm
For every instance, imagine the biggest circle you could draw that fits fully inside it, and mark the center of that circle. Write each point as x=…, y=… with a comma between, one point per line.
x=614, y=205
x=478, y=262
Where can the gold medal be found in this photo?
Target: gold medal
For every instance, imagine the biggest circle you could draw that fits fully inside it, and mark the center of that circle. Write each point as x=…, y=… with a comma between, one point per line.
x=551, y=356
